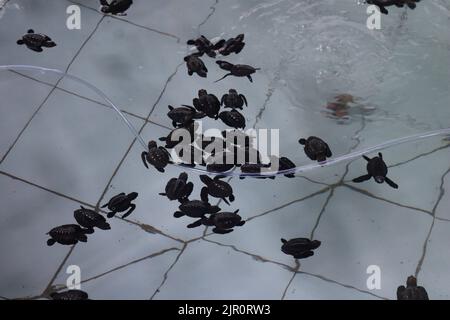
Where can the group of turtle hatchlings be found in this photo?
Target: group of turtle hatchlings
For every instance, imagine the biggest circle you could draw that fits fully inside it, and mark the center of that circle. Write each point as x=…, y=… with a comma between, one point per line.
x=208, y=105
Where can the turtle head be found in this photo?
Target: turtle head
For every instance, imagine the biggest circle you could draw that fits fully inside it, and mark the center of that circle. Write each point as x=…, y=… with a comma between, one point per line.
x=104, y=9
x=379, y=179
x=131, y=196
x=205, y=179
x=202, y=92
x=239, y=37
x=232, y=91
x=152, y=144
x=411, y=281
x=225, y=65
x=283, y=240
x=183, y=176
x=315, y=244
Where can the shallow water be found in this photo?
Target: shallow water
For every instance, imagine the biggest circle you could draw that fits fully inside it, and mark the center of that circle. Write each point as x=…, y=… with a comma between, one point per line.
x=63, y=146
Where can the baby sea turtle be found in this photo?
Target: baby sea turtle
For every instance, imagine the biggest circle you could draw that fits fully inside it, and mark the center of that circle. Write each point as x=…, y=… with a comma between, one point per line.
x=412, y=291
x=195, y=64
x=299, y=248
x=170, y=139
x=121, y=203
x=232, y=45
x=223, y=222
x=195, y=209
x=316, y=148
x=183, y=115
x=216, y=188
x=67, y=234
x=285, y=164
x=70, y=295
x=219, y=167
x=377, y=169
x=207, y=103
x=158, y=157
x=203, y=45
x=238, y=70
x=233, y=119
x=233, y=100
x=116, y=7
x=256, y=169
x=89, y=219
x=382, y=4
x=35, y=41
x=178, y=188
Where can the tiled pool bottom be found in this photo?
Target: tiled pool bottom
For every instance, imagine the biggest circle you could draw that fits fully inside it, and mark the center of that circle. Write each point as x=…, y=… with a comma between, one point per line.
x=62, y=147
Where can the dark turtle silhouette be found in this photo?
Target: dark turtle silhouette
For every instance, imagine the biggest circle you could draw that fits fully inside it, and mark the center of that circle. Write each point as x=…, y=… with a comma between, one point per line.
x=67, y=234
x=238, y=70
x=207, y=103
x=158, y=157
x=223, y=222
x=412, y=291
x=196, y=157
x=116, y=7
x=184, y=115
x=235, y=45
x=285, y=164
x=219, y=167
x=377, y=169
x=195, y=209
x=233, y=100
x=70, y=295
x=178, y=188
x=203, y=45
x=89, y=219
x=316, y=148
x=299, y=248
x=170, y=139
x=382, y=4
x=255, y=168
x=121, y=203
x=233, y=119
x=35, y=41
x=216, y=188
x=195, y=65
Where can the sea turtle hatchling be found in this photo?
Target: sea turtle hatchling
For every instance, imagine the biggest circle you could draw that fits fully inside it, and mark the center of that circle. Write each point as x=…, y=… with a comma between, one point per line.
x=67, y=234
x=382, y=4
x=235, y=45
x=158, y=157
x=183, y=115
x=115, y=7
x=299, y=248
x=255, y=168
x=203, y=45
x=195, y=209
x=233, y=118
x=376, y=168
x=70, y=295
x=216, y=188
x=89, y=219
x=35, y=41
x=237, y=70
x=412, y=291
x=233, y=100
x=178, y=188
x=195, y=65
x=285, y=163
x=207, y=103
x=316, y=148
x=121, y=203
x=223, y=222
x=180, y=132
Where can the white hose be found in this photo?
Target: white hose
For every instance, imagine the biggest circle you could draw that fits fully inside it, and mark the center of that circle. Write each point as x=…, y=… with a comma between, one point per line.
x=308, y=167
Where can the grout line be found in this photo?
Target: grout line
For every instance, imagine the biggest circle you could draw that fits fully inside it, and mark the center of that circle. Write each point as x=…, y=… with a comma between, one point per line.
x=288, y=285
x=316, y=225
x=1, y=8
x=213, y=10
x=91, y=100
x=425, y=245
x=128, y=21
x=50, y=93
x=167, y=272
x=420, y=156
x=150, y=229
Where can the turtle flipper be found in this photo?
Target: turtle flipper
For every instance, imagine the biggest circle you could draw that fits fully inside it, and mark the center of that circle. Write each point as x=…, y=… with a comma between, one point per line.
x=188, y=189
x=20, y=42
x=391, y=183
x=231, y=197
x=178, y=214
x=219, y=44
x=250, y=78
x=383, y=10
x=222, y=231
x=226, y=201
x=411, y=5
x=104, y=206
x=36, y=49
x=143, y=157
x=51, y=242
x=204, y=194
x=104, y=226
x=132, y=207
x=195, y=224
x=228, y=74
x=244, y=99
x=362, y=178
x=240, y=224
x=30, y=31
x=110, y=214
x=366, y=158
x=400, y=292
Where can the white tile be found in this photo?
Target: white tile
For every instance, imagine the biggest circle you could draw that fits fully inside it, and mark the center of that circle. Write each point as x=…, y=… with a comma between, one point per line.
x=17, y=107
x=436, y=264
x=72, y=146
x=43, y=16
x=136, y=281
x=262, y=235
x=208, y=271
x=129, y=64
x=357, y=231
x=28, y=264
x=109, y=249
x=306, y=287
